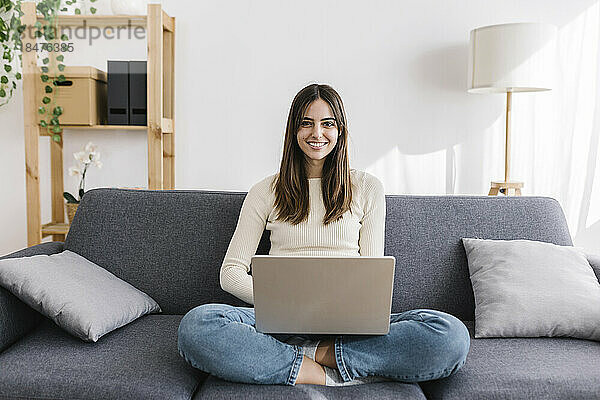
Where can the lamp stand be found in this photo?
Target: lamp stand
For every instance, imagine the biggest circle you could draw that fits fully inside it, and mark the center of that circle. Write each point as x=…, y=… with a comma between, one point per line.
x=506, y=186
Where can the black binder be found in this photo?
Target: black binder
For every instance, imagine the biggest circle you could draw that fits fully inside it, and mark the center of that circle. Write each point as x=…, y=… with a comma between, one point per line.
x=118, y=92
x=137, y=93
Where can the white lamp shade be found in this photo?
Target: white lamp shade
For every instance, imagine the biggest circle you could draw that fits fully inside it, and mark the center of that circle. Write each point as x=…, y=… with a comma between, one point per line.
x=519, y=57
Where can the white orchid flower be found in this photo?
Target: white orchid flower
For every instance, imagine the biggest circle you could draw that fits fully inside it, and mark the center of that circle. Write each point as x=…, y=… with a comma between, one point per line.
x=80, y=156
x=93, y=156
x=86, y=157
x=90, y=147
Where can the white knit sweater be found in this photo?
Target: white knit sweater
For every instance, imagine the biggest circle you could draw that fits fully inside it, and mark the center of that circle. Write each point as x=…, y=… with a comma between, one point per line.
x=357, y=234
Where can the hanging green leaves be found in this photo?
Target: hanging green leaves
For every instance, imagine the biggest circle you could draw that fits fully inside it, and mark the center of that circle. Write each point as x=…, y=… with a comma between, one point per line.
x=49, y=30
x=10, y=46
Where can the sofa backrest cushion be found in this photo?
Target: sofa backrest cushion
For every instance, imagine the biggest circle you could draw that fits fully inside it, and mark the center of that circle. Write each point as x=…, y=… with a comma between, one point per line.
x=170, y=244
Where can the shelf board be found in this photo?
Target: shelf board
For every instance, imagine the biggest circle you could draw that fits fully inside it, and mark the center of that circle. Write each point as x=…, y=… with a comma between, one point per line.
x=43, y=131
x=168, y=22
x=166, y=126
x=100, y=20
x=55, y=228
x=107, y=127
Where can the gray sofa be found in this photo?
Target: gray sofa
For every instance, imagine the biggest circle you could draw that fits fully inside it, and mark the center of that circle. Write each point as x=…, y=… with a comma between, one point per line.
x=170, y=244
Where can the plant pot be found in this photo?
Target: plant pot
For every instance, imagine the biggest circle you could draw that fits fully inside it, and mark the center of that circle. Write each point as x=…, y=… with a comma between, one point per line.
x=71, y=210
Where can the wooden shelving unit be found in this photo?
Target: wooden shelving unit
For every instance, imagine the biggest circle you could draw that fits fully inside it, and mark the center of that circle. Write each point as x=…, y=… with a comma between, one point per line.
x=43, y=131
x=160, y=33
x=55, y=228
x=100, y=20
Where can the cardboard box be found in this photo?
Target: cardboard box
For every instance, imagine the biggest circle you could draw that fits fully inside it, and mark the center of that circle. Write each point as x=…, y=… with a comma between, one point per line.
x=82, y=96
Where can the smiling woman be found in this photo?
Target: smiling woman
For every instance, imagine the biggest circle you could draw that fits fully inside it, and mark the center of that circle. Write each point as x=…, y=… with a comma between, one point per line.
x=315, y=146
x=316, y=205
x=321, y=136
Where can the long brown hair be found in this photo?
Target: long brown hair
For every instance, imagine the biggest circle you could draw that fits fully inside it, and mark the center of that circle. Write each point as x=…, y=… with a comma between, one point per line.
x=291, y=183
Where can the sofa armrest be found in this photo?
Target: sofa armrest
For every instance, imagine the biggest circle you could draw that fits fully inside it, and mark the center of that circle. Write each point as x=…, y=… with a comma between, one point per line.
x=16, y=317
x=594, y=260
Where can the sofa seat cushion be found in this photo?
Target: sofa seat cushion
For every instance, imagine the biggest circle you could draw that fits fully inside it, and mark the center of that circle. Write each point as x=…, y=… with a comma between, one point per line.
x=215, y=388
x=523, y=368
x=137, y=361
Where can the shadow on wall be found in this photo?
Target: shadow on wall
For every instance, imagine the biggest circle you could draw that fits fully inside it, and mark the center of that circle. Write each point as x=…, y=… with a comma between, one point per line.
x=442, y=73
x=458, y=126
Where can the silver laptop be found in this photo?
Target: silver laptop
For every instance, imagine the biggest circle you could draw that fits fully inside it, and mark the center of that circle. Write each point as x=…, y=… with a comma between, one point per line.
x=323, y=294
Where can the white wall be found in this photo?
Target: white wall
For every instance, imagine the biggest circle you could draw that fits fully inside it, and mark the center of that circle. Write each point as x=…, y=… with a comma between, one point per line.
x=400, y=67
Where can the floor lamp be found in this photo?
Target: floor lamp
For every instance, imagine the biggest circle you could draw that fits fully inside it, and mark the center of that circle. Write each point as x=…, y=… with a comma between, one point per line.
x=508, y=58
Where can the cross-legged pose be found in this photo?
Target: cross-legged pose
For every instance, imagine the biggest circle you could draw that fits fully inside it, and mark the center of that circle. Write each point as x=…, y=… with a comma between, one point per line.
x=315, y=205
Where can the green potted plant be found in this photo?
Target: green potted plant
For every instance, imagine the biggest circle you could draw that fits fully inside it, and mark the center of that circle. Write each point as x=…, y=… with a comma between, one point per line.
x=89, y=156
x=11, y=29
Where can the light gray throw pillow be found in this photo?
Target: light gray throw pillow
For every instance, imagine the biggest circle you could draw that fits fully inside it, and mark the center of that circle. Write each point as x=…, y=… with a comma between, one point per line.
x=525, y=288
x=81, y=297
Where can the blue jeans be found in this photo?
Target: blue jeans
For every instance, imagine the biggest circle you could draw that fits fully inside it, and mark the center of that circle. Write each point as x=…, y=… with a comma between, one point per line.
x=222, y=340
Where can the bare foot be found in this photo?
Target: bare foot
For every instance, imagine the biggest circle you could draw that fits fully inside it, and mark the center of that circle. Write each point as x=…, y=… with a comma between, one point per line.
x=311, y=373
x=325, y=354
